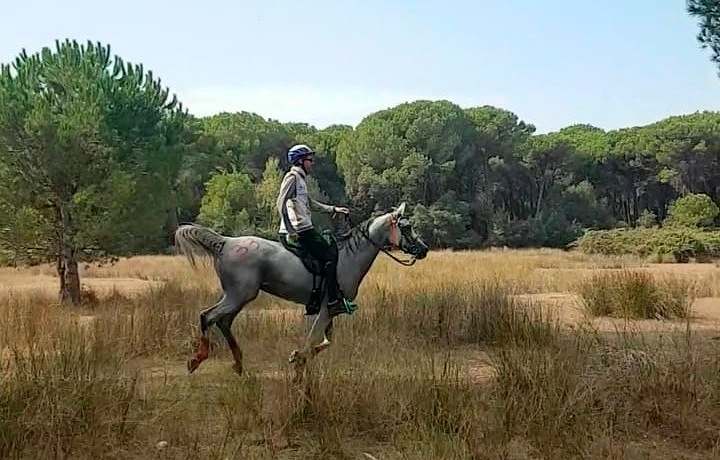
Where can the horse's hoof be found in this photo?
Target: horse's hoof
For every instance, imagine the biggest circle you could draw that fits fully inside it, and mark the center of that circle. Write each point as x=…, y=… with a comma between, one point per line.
x=193, y=364
x=297, y=358
x=237, y=368
x=323, y=346
x=293, y=356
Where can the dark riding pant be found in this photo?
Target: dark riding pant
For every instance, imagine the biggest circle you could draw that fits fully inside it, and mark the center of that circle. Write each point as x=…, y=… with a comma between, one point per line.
x=314, y=243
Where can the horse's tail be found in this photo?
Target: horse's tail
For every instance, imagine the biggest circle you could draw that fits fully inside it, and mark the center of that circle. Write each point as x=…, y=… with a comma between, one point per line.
x=196, y=241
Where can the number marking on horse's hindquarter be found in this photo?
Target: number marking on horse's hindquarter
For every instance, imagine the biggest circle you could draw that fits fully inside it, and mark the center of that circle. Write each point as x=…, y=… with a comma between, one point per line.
x=242, y=249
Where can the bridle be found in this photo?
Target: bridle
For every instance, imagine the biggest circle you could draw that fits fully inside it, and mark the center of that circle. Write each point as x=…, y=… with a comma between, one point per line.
x=393, y=228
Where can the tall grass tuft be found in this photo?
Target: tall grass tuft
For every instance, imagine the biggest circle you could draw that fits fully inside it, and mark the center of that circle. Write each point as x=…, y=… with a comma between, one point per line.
x=388, y=400
x=161, y=321
x=636, y=295
x=65, y=398
x=570, y=399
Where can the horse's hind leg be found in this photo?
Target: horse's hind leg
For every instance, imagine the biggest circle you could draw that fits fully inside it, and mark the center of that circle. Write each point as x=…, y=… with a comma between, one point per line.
x=224, y=316
x=203, y=349
x=225, y=326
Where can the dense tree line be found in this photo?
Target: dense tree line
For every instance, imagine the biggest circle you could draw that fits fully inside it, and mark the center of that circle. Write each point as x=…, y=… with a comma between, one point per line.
x=474, y=177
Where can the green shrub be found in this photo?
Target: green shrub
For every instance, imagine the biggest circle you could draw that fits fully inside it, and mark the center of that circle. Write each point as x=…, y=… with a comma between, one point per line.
x=693, y=210
x=680, y=242
x=550, y=230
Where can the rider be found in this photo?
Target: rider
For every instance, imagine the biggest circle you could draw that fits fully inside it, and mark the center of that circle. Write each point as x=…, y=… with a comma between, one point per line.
x=296, y=223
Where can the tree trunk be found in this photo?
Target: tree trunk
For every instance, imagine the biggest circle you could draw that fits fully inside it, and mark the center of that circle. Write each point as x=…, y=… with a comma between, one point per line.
x=61, y=273
x=70, y=278
x=541, y=191
x=71, y=291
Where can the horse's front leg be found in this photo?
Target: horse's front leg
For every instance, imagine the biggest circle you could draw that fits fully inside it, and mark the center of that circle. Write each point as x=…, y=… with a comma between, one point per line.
x=315, y=340
x=326, y=339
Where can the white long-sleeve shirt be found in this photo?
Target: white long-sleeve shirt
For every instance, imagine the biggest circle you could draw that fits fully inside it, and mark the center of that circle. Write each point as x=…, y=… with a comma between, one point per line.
x=294, y=203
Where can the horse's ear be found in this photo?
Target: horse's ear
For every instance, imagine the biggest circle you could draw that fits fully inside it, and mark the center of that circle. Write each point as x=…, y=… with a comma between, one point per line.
x=400, y=211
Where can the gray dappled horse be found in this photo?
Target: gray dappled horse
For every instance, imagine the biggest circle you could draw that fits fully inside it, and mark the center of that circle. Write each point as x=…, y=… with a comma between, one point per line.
x=246, y=265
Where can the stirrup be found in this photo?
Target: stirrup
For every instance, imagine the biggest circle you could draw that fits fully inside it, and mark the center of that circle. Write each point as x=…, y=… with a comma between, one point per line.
x=350, y=306
x=341, y=306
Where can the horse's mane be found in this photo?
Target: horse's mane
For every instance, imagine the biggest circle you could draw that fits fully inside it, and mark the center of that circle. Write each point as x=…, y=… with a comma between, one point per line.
x=351, y=239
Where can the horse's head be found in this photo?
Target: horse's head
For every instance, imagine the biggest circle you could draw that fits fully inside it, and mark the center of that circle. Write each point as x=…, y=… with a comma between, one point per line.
x=397, y=232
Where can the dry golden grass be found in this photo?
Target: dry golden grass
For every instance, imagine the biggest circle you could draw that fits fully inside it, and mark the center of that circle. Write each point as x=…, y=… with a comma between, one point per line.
x=466, y=355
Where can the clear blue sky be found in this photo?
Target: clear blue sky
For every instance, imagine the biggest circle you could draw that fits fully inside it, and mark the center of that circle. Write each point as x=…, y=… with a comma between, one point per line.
x=610, y=63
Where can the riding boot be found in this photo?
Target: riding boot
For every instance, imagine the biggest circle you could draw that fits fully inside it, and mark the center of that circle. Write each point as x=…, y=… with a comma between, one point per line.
x=335, y=307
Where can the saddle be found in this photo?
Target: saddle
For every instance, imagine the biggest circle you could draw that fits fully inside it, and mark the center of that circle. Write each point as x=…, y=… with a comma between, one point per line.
x=315, y=267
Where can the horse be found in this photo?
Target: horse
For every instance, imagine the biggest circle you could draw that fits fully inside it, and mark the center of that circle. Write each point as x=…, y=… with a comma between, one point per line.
x=247, y=265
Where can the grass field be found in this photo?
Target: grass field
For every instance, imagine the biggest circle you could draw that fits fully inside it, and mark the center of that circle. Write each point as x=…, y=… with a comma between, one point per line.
x=468, y=355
